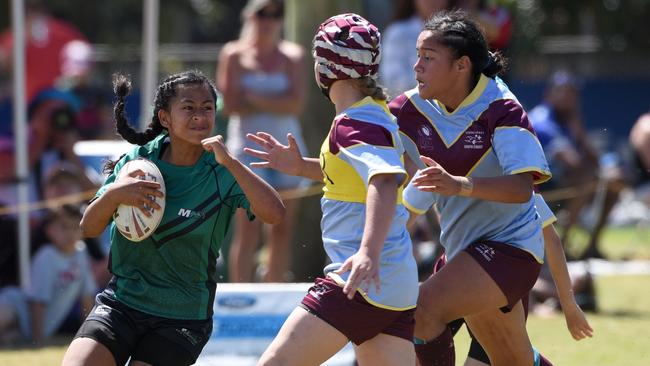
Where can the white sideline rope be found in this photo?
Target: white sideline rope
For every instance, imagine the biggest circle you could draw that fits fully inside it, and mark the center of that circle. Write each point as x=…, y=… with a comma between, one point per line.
x=75, y=198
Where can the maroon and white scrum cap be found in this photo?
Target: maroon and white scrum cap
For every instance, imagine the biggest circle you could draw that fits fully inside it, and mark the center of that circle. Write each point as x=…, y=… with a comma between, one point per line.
x=346, y=46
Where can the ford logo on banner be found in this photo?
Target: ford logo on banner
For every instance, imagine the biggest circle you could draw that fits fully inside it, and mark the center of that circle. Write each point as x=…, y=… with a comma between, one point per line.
x=236, y=301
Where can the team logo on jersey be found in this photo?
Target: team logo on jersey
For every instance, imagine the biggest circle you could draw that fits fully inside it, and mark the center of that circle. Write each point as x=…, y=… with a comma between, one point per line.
x=486, y=251
x=187, y=213
x=474, y=140
x=425, y=138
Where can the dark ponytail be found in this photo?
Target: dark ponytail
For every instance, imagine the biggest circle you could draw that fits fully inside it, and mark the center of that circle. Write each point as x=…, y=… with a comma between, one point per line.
x=370, y=88
x=496, y=64
x=122, y=88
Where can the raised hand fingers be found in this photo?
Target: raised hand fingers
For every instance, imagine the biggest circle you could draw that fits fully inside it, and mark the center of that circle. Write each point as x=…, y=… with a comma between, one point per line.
x=257, y=153
x=264, y=140
x=293, y=144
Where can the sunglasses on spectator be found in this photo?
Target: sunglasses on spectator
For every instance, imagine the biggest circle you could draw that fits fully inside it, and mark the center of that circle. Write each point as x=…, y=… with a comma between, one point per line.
x=269, y=14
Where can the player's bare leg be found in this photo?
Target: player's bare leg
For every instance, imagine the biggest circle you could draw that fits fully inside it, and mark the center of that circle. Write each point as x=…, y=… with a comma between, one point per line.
x=242, y=248
x=303, y=340
x=279, y=244
x=87, y=352
x=503, y=335
x=387, y=350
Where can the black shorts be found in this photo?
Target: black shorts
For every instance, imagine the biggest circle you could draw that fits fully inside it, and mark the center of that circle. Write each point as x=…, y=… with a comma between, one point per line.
x=127, y=332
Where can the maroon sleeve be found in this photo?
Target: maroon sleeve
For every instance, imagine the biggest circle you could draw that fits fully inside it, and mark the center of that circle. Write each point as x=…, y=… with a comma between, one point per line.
x=348, y=132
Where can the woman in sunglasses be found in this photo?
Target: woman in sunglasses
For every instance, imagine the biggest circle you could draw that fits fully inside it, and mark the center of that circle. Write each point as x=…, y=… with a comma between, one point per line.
x=261, y=79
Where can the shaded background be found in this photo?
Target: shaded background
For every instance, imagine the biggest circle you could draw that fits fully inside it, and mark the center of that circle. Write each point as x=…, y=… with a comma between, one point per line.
x=604, y=41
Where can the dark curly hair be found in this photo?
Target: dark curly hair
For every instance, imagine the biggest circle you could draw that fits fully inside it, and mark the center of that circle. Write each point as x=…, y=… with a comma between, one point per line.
x=166, y=91
x=456, y=31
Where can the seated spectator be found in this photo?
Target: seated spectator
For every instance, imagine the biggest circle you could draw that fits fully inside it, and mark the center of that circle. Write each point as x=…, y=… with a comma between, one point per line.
x=574, y=161
x=64, y=184
x=60, y=276
x=640, y=144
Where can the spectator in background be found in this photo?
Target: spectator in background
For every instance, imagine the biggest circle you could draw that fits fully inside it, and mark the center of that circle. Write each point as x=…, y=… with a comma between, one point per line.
x=65, y=181
x=398, y=43
x=262, y=79
x=495, y=20
x=60, y=276
x=45, y=37
x=640, y=143
x=573, y=159
x=51, y=137
x=94, y=116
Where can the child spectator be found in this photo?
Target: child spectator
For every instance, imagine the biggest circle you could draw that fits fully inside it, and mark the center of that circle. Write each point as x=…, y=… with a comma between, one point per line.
x=60, y=276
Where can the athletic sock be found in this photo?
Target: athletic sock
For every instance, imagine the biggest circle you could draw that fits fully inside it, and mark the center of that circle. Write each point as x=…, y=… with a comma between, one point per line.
x=437, y=352
x=540, y=360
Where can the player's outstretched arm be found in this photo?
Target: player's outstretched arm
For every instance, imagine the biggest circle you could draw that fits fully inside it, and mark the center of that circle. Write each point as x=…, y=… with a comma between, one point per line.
x=380, y=210
x=284, y=158
x=265, y=201
x=575, y=318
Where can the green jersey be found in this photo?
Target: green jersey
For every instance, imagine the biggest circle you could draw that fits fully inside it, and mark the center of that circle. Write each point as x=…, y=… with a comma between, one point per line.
x=172, y=273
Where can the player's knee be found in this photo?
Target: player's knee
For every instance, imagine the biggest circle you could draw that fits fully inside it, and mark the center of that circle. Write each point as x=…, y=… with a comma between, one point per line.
x=273, y=359
x=513, y=358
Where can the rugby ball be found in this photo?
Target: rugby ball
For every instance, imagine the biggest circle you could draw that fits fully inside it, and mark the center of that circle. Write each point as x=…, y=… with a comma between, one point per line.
x=130, y=221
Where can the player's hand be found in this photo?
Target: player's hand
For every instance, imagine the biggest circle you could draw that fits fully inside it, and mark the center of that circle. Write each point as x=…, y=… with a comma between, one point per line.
x=216, y=145
x=284, y=158
x=133, y=191
x=364, y=271
x=434, y=178
x=577, y=323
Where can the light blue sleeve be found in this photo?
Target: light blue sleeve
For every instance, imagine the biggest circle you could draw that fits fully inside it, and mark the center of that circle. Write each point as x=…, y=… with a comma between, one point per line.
x=417, y=201
x=519, y=151
x=411, y=150
x=89, y=284
x=370, y=160
x=545, y=213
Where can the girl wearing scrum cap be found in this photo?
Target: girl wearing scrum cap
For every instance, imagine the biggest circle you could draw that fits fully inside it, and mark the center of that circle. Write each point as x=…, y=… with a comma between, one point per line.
x=368, y=294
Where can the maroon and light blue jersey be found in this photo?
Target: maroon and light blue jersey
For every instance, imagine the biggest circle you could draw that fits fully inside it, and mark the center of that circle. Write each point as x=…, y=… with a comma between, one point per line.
x=488, y=135
x=363, y=142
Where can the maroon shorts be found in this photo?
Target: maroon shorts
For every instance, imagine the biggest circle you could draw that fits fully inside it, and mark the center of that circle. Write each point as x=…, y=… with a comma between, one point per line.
x=514, y=270
x=357, y=319
x=442, y=260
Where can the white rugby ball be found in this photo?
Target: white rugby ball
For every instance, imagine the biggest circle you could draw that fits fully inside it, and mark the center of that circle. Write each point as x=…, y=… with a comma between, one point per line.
x=130, y=221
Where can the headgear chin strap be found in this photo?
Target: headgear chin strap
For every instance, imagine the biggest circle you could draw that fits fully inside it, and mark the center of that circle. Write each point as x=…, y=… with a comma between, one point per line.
x=346, y=46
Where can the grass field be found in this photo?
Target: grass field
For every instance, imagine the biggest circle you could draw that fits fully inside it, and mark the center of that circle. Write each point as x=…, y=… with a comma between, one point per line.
x=621, y=326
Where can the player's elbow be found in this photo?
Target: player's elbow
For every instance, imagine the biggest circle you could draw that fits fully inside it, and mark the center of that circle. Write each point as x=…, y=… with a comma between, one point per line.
x=273, y=214
x=523, y=196
x=88, y=230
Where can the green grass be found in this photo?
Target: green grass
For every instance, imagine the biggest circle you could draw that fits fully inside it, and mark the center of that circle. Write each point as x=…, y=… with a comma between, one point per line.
x=621, y=326
x=621, y=332
x=616, y=243
x=621, y=335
